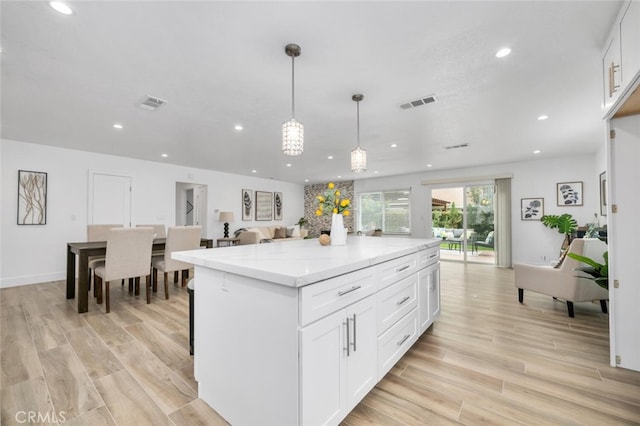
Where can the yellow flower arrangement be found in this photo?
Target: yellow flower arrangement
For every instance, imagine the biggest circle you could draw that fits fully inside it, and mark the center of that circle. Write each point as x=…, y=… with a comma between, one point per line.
x=330, y=202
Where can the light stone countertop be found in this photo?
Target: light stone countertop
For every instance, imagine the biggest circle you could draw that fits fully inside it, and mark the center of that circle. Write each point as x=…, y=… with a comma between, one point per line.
x=302, y=262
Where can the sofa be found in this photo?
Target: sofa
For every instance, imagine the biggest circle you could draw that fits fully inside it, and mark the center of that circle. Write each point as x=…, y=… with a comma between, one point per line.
x=270, y=234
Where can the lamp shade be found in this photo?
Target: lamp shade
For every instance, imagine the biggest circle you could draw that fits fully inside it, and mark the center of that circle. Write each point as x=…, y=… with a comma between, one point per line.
x=225, y=217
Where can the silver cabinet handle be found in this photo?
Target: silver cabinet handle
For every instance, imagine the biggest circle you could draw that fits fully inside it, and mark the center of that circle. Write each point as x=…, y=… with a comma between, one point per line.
x=403, y=268
x=404, y=339
x=354, y=332
x=400, y=302
x=433, y=255
x=347, y=324
x=354, y=288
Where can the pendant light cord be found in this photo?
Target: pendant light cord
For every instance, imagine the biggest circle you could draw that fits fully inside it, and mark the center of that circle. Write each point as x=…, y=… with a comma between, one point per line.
x=358, y=121
x=293, y=77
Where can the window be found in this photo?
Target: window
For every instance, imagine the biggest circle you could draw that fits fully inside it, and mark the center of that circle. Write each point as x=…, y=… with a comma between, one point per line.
x=388, y=210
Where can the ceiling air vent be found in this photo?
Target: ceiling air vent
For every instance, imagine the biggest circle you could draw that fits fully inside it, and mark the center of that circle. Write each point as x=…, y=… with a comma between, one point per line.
x=422, y=101
x=462, y=145
x=151, y=103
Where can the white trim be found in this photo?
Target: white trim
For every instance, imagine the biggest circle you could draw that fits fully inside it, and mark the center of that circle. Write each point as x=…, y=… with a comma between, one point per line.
x=32, y=279
x=466, y=180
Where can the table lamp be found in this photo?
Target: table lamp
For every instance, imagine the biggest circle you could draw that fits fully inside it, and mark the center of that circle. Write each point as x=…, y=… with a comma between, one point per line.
x=226, y=217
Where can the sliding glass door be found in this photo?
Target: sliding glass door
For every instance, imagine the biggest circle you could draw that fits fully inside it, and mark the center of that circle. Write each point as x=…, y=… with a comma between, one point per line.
x=463, y=218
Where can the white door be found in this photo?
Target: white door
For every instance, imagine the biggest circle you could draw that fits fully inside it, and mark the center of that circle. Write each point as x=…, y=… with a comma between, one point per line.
x=109, y=199
x=624, y=174
x=362, y=359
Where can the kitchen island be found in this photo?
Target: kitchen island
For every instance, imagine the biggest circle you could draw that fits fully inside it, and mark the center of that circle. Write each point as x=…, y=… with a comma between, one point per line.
x=299, y=333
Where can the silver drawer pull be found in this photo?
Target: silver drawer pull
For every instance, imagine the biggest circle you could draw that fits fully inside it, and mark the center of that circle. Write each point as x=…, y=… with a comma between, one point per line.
x=403, y=268
x=433, y=255
x=404, y=339
x=354, y=288
x=400, y=302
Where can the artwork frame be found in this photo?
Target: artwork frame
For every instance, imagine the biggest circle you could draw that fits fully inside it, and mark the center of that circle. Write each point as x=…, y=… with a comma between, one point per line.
x=32, y=197
x=277, y=205
x=531, y=208
x=569, y=194
x=603, y=193
x=264, y=205
x=247, y=204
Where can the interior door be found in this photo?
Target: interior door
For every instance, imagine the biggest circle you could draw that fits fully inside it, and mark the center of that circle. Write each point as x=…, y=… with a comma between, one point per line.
x=623, y=252
x=109, y=199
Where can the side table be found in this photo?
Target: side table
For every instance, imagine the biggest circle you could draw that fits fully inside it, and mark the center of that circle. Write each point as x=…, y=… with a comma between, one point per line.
x=227, y=242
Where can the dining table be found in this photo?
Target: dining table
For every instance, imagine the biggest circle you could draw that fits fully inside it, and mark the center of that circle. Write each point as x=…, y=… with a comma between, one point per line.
x=83, y=250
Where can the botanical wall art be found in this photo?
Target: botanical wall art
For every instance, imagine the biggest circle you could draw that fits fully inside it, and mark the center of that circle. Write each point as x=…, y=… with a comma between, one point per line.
x=247, y=204
x=277, y=205
x=569, y=193
x=531, y=208
x=603, y=193
x=264, y=205
x=32, y=198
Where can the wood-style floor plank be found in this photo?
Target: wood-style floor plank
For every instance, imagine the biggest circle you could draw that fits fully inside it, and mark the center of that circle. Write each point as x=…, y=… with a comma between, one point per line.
x=487, y=360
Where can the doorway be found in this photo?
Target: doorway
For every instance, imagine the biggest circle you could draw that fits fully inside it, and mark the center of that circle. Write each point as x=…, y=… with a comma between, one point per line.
x=191, y=205
x=109, y=199
x=463, y=218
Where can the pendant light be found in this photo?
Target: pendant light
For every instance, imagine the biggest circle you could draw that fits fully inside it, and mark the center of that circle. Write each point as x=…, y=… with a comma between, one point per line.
x=358, y=155
x=292, y=130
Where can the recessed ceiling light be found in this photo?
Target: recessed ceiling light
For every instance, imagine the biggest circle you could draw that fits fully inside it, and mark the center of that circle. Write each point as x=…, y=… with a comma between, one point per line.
x=306, y=180
x=60, y=7
x=503, y=52
x=537, y=151
x=164, y=155
x=375, y=172
x=339, y=177
x=543, y=117
x=117, y=126
x=394, y=145
x=238, y=127
x=288, y=164
x=254, y=171
x=429, y=165
x=330, y=157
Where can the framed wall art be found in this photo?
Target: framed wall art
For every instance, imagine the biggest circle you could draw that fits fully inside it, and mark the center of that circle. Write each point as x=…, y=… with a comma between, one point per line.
x=569, y=193
x=247, y=204
x=603, y=193
x=531, y=208
x=264, y=205
x=32, y=198
x=277, y=205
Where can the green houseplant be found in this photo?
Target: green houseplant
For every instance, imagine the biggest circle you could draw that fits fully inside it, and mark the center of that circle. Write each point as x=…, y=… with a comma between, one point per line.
x=564, y=223
x=599, y=271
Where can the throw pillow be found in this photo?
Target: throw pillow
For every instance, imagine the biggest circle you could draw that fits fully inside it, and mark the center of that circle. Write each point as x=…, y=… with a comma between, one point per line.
x=290, y=231
x=280, y=233
x=296, y=231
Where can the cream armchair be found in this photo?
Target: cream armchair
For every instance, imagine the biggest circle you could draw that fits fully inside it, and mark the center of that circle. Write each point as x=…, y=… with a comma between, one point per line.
x=564, y=282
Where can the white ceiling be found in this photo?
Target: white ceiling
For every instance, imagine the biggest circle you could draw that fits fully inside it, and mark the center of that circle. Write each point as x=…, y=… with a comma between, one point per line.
x=67, y=79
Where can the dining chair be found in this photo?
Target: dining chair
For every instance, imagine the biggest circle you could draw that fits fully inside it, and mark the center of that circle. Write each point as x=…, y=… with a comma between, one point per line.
x=128, y=256
x=98, y=232
x=159, y=231
x=179, y=238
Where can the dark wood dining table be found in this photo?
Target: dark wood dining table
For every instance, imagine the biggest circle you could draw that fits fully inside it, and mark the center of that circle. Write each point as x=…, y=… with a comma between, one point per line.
x=95, y=248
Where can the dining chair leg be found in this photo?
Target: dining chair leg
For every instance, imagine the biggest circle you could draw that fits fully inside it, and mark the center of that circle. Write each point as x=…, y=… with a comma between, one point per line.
x=154, y=280
x=175, y=277
x=97, y=285
x=148, y=288
x=137, y=285
x=107, y=299
x=166, y=286
x=185, y=277
x=130, y=285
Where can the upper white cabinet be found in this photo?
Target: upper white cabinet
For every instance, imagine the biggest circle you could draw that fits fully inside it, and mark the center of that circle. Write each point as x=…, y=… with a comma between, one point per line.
x=621, y=59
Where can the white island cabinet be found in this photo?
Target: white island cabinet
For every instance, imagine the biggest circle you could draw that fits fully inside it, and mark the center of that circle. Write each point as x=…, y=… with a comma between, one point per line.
x=297, y=333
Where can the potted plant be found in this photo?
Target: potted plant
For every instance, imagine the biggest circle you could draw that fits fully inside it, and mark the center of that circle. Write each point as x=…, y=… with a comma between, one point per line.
x=599, y=271
x=302, y=222
x=565, y=224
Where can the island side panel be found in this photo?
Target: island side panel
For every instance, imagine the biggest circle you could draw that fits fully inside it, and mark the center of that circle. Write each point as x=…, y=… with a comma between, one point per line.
x=246, y=348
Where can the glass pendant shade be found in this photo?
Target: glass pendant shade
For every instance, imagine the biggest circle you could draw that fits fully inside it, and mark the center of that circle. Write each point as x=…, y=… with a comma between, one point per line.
x=292, y=137
x=358, y=160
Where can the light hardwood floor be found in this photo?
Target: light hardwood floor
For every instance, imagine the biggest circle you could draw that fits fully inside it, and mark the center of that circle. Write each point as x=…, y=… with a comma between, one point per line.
x=487, y=360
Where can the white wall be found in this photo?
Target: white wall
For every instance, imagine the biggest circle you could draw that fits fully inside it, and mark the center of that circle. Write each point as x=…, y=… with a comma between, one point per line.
x=532, y=242
x=31, y=254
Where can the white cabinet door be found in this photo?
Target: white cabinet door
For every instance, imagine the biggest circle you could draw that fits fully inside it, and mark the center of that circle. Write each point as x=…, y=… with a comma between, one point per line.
x=362, y=359
x=428, y=296
x=322, y=370
x=611, y=71
x=630, y=42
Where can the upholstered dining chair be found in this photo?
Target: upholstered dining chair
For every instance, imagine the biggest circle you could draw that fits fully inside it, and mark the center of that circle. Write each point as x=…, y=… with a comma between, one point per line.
x=98, y=233
x=159, y=231
x=128, y=256
x=179, y=238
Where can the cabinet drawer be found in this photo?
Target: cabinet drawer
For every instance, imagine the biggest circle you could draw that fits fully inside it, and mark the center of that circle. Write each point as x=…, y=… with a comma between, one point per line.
x=396, y=341
x=323, y=298
x=396, y=269
x=428, y=257
x=396, y=301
